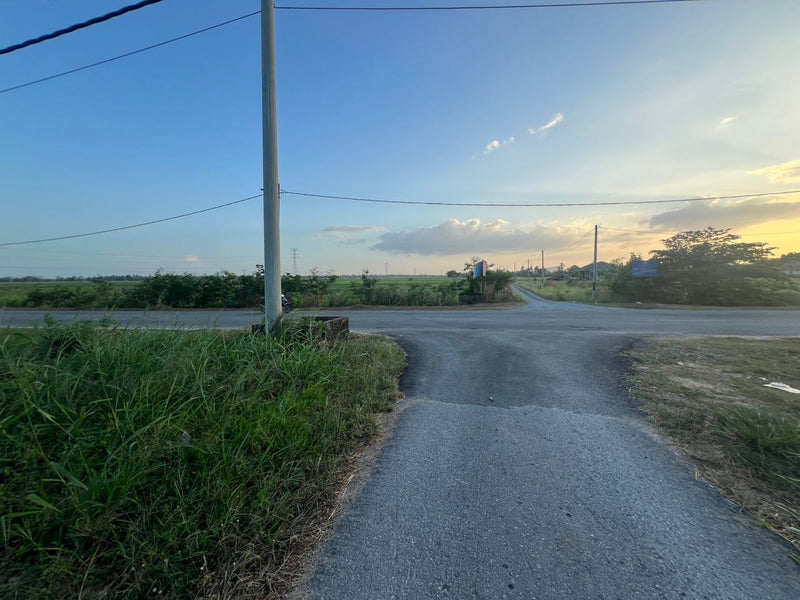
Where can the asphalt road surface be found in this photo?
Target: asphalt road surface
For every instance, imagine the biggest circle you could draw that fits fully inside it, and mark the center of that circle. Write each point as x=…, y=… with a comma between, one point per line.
x=521, y=468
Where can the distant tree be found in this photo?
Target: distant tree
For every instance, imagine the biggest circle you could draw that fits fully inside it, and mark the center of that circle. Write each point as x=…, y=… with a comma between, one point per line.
x=453, y=273
x=707, y=266
x=469, y=266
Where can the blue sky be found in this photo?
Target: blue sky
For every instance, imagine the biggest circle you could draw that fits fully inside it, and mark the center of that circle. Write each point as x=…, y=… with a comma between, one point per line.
x=529, y=106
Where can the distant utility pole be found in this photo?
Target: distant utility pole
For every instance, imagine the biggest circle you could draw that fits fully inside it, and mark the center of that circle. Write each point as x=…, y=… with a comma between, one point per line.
x=529, y=268
x=594, y=267
x=542, y=267
x=272, y=194
x=294, y=261
x=385, y=268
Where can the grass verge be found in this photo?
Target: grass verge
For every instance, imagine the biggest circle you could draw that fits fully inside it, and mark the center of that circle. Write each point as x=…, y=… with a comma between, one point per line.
x=175, y=464
x=709, y=396
x=566, y=291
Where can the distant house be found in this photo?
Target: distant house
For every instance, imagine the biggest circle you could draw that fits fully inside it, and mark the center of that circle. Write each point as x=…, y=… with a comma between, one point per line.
x=602, y=268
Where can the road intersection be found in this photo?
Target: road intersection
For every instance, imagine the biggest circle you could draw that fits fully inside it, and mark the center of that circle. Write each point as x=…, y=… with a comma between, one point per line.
x=522, y=469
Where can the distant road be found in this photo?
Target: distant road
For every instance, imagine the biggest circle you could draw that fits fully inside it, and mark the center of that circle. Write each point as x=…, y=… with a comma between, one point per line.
x=522, y=469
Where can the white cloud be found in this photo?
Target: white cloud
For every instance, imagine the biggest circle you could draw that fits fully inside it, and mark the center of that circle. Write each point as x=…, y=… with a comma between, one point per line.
x=557, y=119
x=785, y=172
x=496, y=144
x=726, y=122
x=474, y=237
x=191, y=258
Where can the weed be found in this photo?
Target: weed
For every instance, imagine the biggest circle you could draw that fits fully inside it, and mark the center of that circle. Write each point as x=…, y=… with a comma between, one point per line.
x=141, y=460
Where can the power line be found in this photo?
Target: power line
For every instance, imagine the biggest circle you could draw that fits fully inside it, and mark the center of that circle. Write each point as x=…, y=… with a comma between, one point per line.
x=575, y=243
x=479, y=7
x=218, y=206
x=644, y=232
x=549, y=204
x=77, y=26
x=80, y=235
x=131, y=53
x=252, y=14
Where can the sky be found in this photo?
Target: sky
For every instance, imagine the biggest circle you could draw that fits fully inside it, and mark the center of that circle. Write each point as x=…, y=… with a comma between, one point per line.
x=561, y=105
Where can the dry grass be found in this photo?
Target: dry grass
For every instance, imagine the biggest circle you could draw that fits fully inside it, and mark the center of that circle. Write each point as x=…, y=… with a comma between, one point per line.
x=709, y=396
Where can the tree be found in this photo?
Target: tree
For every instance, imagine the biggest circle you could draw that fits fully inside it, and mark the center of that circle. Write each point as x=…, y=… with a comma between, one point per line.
x=707, y=266
x=710, y=266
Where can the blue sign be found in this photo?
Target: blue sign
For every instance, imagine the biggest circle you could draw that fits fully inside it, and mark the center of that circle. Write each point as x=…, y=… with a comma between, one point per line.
x=644, y=268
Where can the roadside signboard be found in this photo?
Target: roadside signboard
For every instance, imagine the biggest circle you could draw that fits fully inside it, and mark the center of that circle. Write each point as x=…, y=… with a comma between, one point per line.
x=480, y=269
x=644, y=268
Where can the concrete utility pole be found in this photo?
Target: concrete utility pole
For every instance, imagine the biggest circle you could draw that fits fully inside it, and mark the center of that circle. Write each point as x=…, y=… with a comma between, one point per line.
x=594, y=268
x=272, y=194
x=542, y=267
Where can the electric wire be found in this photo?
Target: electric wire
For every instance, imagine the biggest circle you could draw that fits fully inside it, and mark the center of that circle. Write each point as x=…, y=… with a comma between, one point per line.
x=131, y=53
x=254, y=13
x=286, y=192
x=642, y=231
x=102, y=18
x=532, y=205
x=479, y=7
x=153, y=222
x=645, y=232
x=575, y=243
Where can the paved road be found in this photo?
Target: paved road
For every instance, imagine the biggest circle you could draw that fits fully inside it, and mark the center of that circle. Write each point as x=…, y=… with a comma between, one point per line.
x=521, y=469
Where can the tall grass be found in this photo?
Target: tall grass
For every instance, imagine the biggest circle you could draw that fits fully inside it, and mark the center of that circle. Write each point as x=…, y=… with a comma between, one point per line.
x=767, y=441
x=172, y=463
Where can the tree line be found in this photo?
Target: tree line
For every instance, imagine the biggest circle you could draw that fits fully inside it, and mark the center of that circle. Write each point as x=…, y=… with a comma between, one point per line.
x=708, y=267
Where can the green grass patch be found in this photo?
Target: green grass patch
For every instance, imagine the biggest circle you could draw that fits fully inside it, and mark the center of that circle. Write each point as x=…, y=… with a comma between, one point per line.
x=176, y=464
x=710, y=396
x=384, y=291
x=565, y=291
x=16, y=294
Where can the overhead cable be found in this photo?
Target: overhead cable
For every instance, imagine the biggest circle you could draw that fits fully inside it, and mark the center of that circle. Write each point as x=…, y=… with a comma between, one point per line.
x=77, y=26
x=131, y=53
x=153, y=222
x=480, y=7
x=286, y=192
x=252, y=14
x=567, y=247
x=547, y=204
x=649, y=232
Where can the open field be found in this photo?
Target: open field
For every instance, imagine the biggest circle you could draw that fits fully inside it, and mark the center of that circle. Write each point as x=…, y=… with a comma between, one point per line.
x=176, y=464
x=382, y=291
x=13, y=294
x=227, y=291
x=343, y=283
x=566, y=291
x=709, y=396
